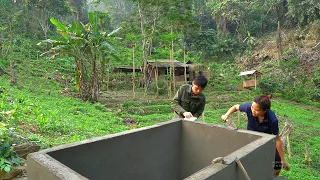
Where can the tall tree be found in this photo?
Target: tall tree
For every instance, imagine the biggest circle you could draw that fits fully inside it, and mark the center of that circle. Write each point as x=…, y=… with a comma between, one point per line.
x=89, y=45
x=79, y=7
x=43, y=10
x=9, y=16
x=302, y=12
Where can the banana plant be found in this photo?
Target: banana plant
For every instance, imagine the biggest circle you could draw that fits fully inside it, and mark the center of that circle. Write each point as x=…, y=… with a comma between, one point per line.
x=89, y=45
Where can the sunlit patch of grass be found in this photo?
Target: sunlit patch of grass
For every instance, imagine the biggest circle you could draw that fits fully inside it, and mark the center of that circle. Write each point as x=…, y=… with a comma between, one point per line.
x=306, y=131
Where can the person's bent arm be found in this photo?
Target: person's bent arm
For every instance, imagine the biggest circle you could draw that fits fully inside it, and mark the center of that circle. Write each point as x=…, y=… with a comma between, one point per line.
x=230, y=111
x=281, y=154
x=175, y=104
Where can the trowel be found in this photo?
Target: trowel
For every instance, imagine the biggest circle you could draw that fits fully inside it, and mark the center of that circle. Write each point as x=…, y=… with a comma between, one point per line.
x=231, y=124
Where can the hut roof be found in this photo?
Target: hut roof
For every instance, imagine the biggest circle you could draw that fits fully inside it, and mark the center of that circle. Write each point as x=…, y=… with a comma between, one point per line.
x=245, y=73
x=166, y=63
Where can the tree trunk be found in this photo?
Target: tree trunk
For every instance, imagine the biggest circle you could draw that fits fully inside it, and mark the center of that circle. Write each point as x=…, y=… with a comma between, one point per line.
x=169, y=81
x=102, y=67
x=43, y=22
x=94, y=88
x=185, y=65
x=13, y=76
x=1, y=42
x=171, y=75
x=82, y=85
x=145, y=53
x=222, y=26
x=108, y=78
x=279, y=44
x=133, y=74
x=281, y=9
x=156, y=74
x=145, y=48
x=173, y=70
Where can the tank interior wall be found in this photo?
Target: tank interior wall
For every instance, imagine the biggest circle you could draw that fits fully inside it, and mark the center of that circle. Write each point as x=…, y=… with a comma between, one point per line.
x=202, y=143
x=258, y=164
x=149, y=154
x=172, y=150
x=257, y=158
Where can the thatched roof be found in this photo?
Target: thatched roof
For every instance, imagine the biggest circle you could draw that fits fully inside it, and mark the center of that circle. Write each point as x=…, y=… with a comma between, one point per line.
x=166, y=63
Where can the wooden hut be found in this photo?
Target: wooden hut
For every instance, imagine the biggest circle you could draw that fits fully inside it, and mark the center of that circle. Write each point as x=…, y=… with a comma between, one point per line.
x=250, y=78
x=163, y=68
x=195, y=69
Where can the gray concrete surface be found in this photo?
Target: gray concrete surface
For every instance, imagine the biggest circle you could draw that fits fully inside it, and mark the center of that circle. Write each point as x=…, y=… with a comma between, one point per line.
x=202, y=143
x=172, y=150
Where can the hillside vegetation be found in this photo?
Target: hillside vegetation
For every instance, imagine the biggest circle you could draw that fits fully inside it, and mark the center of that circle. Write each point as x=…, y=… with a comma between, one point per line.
x=49, y=114
x=57, y=57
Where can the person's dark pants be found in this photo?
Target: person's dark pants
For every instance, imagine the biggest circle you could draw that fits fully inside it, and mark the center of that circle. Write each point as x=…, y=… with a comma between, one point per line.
x=277, y=161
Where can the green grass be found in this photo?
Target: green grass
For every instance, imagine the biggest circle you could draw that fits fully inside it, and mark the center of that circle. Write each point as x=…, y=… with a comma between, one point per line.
x=45, y=114
x=306, y=125
x=53, y=119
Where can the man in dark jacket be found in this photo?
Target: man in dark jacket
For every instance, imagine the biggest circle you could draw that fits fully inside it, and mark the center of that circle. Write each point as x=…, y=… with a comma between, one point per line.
x=189, y=100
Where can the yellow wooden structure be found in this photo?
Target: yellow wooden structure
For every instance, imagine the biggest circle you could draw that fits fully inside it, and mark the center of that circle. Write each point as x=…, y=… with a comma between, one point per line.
x=250, y=78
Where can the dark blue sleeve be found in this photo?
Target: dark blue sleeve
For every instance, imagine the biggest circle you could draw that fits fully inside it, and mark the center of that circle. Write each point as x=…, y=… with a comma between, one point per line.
x=245, y=107
x=275, y=128
x=274, y=123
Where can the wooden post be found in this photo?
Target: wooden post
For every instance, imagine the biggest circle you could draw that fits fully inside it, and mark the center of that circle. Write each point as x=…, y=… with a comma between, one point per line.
x=169, y=81
x=156, y=74
x=173, y=72
x=307, y=156
x=279, y=44
x=238, y=118
x=108, y=76
x=242, y=81
x=203, y=117
x=133, y=74
x=185, y=67
x=13, y=75
x=255, y=81
x=288, y=146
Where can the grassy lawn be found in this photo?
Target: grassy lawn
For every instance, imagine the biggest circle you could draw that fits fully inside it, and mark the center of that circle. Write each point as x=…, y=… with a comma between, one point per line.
x=47, y=114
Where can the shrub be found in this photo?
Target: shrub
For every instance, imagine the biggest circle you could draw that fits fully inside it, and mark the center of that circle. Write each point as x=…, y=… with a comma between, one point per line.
x=267, y=85
x=8, y=157
x=316, y=94
x=316, y=79
x=162, y=85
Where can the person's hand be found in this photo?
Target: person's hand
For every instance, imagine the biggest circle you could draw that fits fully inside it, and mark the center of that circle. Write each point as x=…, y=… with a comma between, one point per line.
x=224, y=117
x=285, y=165
x=187, y=114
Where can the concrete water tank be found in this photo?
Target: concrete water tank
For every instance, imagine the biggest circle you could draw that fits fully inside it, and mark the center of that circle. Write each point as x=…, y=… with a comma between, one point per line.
x=173, y=150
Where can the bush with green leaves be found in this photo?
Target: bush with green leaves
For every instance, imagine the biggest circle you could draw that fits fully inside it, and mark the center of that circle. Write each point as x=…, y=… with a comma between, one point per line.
x=162, y=87
x=8, y=157
x=119, y=81
x=316, y=94
x=210, y=44
x=267, y=85
x=316, y=79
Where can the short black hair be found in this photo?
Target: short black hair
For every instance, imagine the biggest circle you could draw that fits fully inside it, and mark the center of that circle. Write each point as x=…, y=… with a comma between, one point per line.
x=264, y=101
x=200, y=81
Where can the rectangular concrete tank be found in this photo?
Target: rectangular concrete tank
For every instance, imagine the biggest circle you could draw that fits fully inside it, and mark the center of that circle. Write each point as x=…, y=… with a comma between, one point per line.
x=173, y=150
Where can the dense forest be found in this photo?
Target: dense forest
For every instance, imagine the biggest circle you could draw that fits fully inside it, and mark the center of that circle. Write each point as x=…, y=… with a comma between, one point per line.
x=68, y=49
x=99, y=35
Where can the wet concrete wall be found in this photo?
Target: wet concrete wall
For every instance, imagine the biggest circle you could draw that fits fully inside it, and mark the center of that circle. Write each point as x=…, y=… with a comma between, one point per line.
x=172, y=150
x=257, y=158
x=148, y=153
x=202, y=143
